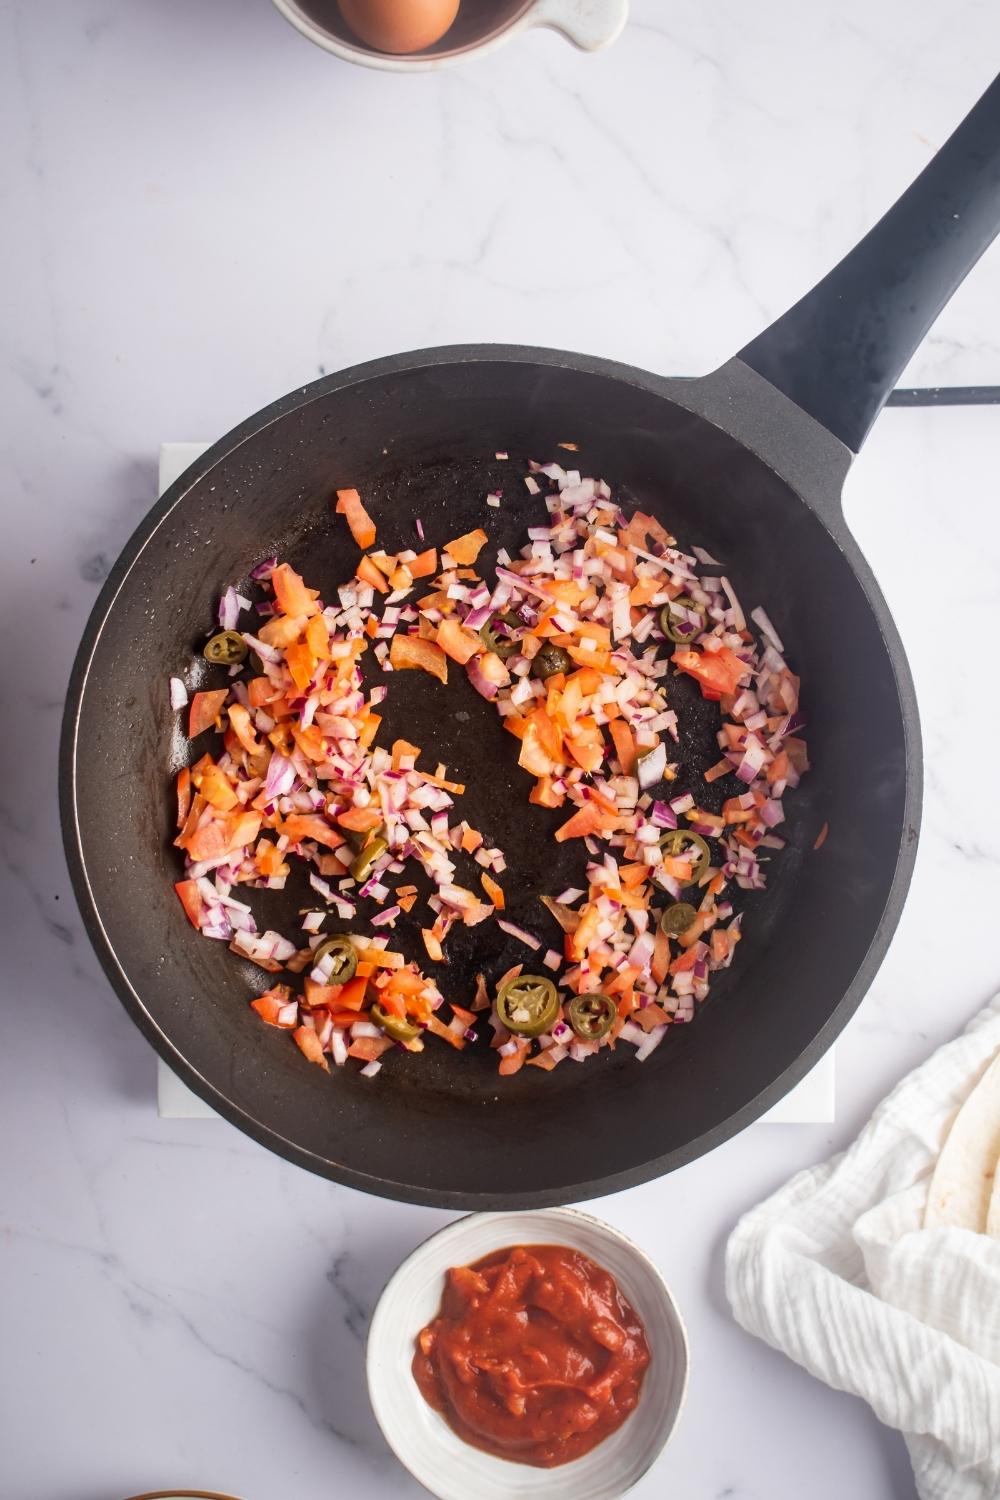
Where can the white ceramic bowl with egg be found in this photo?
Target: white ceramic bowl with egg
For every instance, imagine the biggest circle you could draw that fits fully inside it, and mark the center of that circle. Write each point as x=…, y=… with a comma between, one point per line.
x=421, y=1438
x=478, y=29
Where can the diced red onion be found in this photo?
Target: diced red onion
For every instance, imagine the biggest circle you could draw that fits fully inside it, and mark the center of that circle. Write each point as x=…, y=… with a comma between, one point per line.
x=380, y=919
x=652, y=766
x=518, y=932
x=650, y=1042
x=761, y=618
x=178, y=693
x=229, y=609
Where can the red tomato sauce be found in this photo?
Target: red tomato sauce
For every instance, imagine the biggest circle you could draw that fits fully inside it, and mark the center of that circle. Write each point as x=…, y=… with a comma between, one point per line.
x=534, y=1356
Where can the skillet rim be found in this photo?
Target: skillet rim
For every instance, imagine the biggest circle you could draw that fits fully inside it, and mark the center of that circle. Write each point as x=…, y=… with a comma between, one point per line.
x=711, y=398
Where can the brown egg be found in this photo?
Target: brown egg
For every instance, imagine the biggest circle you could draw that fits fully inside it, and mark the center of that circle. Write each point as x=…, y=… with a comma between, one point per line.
x=399, y=25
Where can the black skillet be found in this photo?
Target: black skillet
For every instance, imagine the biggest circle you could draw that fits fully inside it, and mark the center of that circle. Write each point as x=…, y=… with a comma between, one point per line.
x=749, y=462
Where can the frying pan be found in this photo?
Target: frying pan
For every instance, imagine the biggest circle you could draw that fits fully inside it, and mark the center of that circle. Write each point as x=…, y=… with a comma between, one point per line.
x=748, y=462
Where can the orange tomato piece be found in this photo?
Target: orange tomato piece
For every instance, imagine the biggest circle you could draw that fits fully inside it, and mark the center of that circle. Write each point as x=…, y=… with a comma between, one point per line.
x=360, y=819
x=310, y=742
x=717, y=672
x=545, y=1061
x=369, y=573
x=465, y=549
x=586, y=743
x=281, y=630
x=242, y=727
x=543, y=795
x=369, y=1048
x=441, y=1030
x=661, y=955
x=494, y=891
x=183, y=796
x=291, y=593
x=216, y=789
x=261, y=690
x=269, y=860
x=457, y=642
x=625, y=746
x=402, y=748
x=318, y=636
x=350, y=996
x=410, y=653
x=362, y=526
x=299, y=826
x=317, y=994
x=368, y=728
x=206, y=710
x=424, y=565
x=308, y=1044
x=532, y=757
x=514, y=1062
x=549, y=737
x=190, y=899
x=587, y=819
x=273, y=1006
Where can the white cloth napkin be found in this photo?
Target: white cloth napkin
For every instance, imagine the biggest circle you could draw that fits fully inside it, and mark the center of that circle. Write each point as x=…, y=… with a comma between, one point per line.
x=836, y=1271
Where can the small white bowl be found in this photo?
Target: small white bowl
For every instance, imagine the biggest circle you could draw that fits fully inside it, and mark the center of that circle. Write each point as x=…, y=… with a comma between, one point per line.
x=422, y=1440
x=479, y=29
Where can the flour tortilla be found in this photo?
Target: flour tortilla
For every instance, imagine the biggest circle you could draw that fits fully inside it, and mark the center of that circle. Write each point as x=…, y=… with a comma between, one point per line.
x=993, y=1213
x=962, y=1193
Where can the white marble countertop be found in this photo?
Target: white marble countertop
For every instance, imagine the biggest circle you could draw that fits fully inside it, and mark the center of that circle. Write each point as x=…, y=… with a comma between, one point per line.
x=202, y=211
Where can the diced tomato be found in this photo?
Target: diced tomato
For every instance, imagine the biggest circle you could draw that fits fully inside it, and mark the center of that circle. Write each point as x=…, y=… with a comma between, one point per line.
x=206, y=710
x=308, y=1044
x=369, y=1048
x=454, y=1039
x=369, y=573
x=719, y=673
x=291, y=593
x=362, y=526
x=242, y=726
x=586, y=820
x=361, y=819
x=532, y=757
x=544, y=1060
x=223, y=835
x=514, y=1061
x=190, y=898
x=298, y=827
x=585, y=743
x=424, y=565
x=301, y=661
x=625, y=746
x=410, y=653
x=368, y=728
x=216, y=789
x=465, y=549
x=457, y=642
x=543, y=793
x=486, y=673
x=402, y=749
x=183, y=796
x=352, y=994
x=276, y=1007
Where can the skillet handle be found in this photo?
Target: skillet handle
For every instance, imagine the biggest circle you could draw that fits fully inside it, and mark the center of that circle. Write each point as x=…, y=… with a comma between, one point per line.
x=839, y=351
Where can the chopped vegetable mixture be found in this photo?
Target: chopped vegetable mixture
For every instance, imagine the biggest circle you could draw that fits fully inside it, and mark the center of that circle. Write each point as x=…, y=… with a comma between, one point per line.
x=574, y=643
